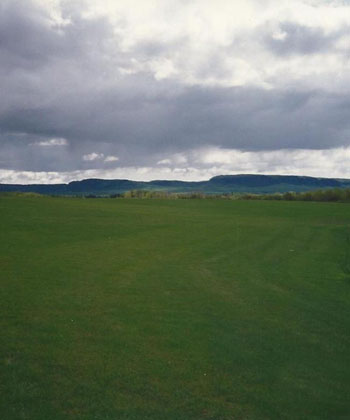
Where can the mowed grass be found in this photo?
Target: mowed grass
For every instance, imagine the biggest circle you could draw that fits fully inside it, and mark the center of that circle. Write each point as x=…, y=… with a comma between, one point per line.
x=182, y=309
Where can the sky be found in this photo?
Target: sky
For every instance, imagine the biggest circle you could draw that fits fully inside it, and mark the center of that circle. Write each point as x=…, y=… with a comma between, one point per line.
x=173, y=89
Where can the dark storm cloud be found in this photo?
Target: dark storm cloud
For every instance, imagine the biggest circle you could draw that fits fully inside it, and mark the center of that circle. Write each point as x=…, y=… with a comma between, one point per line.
x=137, y=128
x=25, y=37
x=74, y=81
x=30, y=38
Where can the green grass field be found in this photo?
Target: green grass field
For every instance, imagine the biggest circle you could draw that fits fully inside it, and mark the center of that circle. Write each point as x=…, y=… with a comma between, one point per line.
x=179, y=309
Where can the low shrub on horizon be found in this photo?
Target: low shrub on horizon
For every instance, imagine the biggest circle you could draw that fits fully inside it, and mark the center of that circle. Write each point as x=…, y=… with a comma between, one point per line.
x=327, y=195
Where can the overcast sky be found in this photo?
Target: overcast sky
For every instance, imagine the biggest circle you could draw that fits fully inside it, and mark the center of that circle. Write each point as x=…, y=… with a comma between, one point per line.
x=173, y=89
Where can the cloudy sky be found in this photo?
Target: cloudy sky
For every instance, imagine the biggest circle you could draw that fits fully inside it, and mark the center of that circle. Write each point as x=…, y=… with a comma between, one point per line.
x=173, y=89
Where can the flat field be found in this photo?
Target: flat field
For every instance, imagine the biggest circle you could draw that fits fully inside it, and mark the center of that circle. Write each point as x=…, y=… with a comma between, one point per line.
x=182, y=309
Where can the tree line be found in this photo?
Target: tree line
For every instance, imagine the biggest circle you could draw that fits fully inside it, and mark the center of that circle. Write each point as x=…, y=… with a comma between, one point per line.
x=326, y=195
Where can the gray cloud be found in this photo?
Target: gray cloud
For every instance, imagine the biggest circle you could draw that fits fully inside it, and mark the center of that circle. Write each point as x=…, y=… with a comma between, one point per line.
x=75, y=81
x=137, y=129
x=299, y=39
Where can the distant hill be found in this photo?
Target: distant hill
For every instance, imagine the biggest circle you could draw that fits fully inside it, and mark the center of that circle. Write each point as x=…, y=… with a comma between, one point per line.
x=217, y=184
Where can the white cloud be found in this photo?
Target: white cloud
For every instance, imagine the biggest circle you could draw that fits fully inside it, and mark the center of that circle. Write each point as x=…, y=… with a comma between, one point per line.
x=93, y=156
x=225, y=33
x=177, y=159
x=51, y=142
x=205, y=163
x=164, y=162
x=319, y=163
x=279, y=35
x=111, y=158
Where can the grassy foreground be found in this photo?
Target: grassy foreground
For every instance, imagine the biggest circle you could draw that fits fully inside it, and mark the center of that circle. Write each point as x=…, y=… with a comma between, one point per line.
x=179, y=309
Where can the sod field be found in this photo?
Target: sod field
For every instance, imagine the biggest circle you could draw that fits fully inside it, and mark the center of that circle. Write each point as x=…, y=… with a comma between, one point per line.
x=174, y=309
